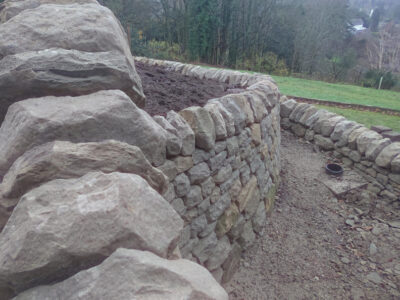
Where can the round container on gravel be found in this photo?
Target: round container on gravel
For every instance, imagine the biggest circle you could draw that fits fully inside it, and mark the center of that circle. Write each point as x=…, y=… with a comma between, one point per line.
x=334, y=169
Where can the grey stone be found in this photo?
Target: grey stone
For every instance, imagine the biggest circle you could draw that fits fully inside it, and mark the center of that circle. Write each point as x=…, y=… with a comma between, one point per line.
x=202, y=125
x=232, y=263
x=374, y=277
x=341, y=127
x=395, y=164
x=382, y=179
x=169, y=169
x=257, y=106
x=355, y=156
x=286, y=124
x=218, y=208
x=232, y=144
x=386, y=156
x=204, y=205
x=298, y=130
x=364, y=140
x=199, y=173
x=219, y=122
x=259, y=218
x=217, y=161
x=205, y=248
x=184, y=131
x=238, y=116
x=329, y=125
x=182, y=185
x=392, y=135
x=353, y=136
x=323, y=142
x=228, y=117
x=220, y=254
x=179, y=206
x=220, y=146
x=215, y=195
x=169, y=195
x=186, y=250
x=63, y=160
x=373, y=250
x=174, y=141
x=223, y=174
x=247, y=237
x=307, y=114
x=380, y=129
x=287, y=108
x=207, y=187
x=200, y=156
x=68, y=236
x=198, y=225
x=319, y=114
x=228, y=184
x=210, y=228
x=185, y=236
x=91, y=118
x=298, y=112
x=183, y=163
x=237, y=228
x=194, y=197
x=343, y=140
x=174, y=279
x=309, y=136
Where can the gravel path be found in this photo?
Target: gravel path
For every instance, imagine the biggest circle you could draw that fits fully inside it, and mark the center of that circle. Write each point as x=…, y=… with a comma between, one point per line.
x=307, y=250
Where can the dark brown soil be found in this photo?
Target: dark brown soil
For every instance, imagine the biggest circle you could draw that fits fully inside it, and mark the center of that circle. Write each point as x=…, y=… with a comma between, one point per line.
x=167, y=90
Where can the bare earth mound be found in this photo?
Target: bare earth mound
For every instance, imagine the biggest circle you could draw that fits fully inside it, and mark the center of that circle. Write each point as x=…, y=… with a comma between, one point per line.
x=316, y=246
x=167, y=90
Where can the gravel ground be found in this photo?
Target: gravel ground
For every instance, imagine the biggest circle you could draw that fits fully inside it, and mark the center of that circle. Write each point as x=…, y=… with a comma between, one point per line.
x=316, y=246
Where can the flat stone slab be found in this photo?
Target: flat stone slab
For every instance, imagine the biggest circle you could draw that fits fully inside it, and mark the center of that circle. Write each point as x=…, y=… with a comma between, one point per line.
x=340, y=186
x=392, y=135
x=380, y=129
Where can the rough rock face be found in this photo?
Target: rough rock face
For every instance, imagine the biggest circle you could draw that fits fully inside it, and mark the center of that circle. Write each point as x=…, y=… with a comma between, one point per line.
x=96, y=117
x=89, y=28
x=132, y=274
x=68, y=225
x=11, y=8
x=63, y=160
x=60, y=72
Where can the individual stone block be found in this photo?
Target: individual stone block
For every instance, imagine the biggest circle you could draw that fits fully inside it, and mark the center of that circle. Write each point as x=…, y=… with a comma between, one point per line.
x=198, y=225
x=194, y=197
x=63, y=160
x=329, y=125
x=219, y=207
x=182, y=185
x=323, y=119
x=220, y=146
x=323, y=142
x=380, y=129
x=223, y=174
x=248, y=192
x=237, y=114
x=392, y=135
x=174, y=141
x=395, y=166
x=259, y=218
x=205, y=247
x=248, y=236
x=228, y=117
x=255, y=134
x=353, y=136
x=220, y=254
x=341, y=127
x=185, y=132
x=375, y=147
x=307, y=114
x=93, y=118
x=219, y=122
x=364, y=140
x=287, y=108
x=199, y=173
x=257, y=105
x=386, y=156
x=68, y=225
x=207, y=187
x=174, y=279
x=217, y=161
x=298, y=112
x=232, y=263
x=183, y=163
x=202, y=125
x=298, y=130
x=169, y=169
x=232, y=144
x=227, y=220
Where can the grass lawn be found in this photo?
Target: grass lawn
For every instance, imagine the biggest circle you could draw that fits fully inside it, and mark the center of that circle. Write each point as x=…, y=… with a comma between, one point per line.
x=365, y=117
x=338, y=92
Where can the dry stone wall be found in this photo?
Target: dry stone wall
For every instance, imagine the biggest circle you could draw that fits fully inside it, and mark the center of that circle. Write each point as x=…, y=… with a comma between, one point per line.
x=375, y=157
x=224, y=178
x=94, y=191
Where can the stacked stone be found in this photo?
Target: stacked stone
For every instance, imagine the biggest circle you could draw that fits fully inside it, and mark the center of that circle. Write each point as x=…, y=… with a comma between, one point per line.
x=223, y=166
x=376, y=158
x=78, y=172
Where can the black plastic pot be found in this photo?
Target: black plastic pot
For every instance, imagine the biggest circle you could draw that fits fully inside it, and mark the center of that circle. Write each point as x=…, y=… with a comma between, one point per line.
x=334, y=169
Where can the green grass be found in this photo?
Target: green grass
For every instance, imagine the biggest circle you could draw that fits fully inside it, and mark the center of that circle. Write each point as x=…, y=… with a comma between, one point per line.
x=365, y=117
x=338, y=92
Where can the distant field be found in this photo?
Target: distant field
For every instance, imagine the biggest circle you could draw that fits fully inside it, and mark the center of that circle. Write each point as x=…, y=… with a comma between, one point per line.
x=338, y=92
x=365, y=117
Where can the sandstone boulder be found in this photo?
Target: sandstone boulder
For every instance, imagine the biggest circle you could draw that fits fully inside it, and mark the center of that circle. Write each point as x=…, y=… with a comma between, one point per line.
x=60, y=72
x=84, y=27
x=185, y=132
x=174, y=141
x=68, y=225
x=364, y=140
x=386, y=156
x=132, y=274
x=375, y=147
x=219, y=122
x=63, y=160
x=11, y=8
x=287, y=108
x=92, y=118
x=341, y=127
x=202, y=125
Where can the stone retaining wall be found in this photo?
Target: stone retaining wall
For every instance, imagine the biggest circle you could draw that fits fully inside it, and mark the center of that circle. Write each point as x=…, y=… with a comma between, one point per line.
x=224, y=178
x=376, y=158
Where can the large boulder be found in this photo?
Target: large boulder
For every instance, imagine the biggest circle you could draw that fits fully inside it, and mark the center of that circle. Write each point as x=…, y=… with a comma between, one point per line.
x=89, y=28
x=92, y=118
x=68, y=225
x=60, y=72
x=386, y=156
x=11, y=8
x=364, y=140
x=63, y=160
x=132, y=274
